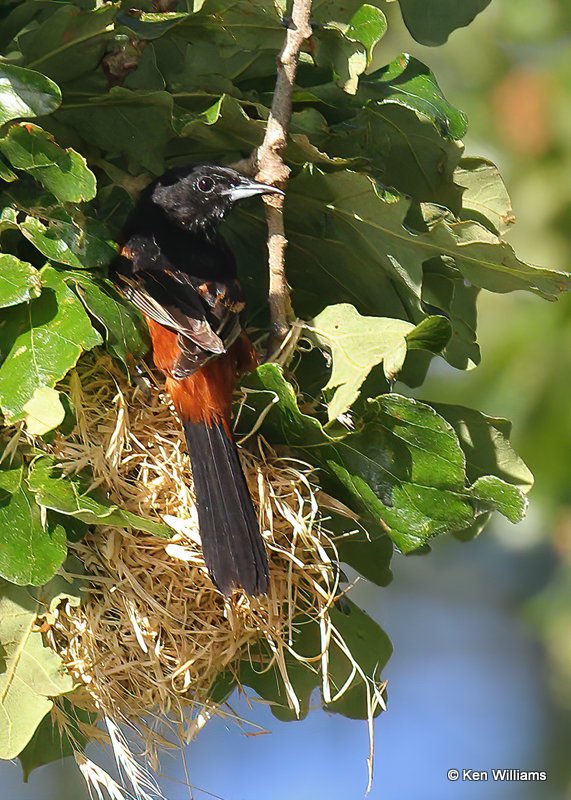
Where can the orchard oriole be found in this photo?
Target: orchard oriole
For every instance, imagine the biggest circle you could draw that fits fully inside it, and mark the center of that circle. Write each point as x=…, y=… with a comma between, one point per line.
x=178, y=270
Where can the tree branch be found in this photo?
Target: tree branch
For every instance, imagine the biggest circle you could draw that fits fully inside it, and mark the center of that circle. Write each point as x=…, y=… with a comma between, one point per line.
x=271, y=169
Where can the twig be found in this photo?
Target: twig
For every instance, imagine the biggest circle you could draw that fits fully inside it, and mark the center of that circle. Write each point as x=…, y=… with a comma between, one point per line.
x=271, y=169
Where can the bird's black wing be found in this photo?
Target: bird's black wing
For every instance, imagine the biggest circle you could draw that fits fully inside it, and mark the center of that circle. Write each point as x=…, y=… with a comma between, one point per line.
x=204, y=314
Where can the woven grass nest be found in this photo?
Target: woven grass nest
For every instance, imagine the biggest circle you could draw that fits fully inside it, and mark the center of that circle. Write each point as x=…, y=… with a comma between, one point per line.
x=153, y=634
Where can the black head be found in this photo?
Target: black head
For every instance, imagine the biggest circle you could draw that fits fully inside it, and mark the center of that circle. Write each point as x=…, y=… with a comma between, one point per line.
x=198, y=197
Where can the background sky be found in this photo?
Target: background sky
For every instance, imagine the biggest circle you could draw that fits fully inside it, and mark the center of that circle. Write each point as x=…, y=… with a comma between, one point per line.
x=481, y=673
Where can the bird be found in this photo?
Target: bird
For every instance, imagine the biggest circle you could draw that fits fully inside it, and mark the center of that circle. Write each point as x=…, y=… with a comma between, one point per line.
x=177, y=268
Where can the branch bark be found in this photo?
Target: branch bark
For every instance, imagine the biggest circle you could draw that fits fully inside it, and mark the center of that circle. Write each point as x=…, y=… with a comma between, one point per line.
x=270, y=168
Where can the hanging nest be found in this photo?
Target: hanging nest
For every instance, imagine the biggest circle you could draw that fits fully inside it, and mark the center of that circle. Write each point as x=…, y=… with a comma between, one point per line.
x=153, y=636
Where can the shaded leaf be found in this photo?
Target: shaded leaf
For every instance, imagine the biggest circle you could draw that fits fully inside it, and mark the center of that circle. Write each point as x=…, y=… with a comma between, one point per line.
x=333, y=217
x=6, y=174
x=408, y=82
x=369, y=551
x=368, y=644
x=486, y=445
x=447, y=293
x=332, y=10
x=62, y=588
x=70, y=42
x=254, y=25
x=150, y=25
x=401, y=125
x=259, y=674
x=370, y=648
x=32, y=674
x=26, y=93
x=432, y=21
x=136, y=124
x=223, y=128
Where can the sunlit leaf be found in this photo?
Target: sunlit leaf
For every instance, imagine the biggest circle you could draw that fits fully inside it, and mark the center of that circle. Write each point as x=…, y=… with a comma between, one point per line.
x=26, y=93
x=403, y=468
x=124, y=326
x=19, y=281
x=63, y=172
x=32, y=672
x=51, y=332
x=357, y=344
x=31, y=549
x=71, y=497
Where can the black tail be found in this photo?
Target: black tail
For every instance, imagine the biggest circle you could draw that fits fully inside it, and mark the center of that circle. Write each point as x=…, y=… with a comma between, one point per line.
x=233, y=547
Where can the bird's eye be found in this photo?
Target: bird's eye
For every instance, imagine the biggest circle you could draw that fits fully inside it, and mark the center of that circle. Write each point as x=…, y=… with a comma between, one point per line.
x=206, y=184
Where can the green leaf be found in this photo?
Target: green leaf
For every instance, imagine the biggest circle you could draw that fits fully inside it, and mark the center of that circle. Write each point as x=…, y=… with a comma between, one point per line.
x=19, y=281
x=408, y=82
x=32, y=673
x=149, y=26
x=50, y=743
x=52, y=332
x=403, y=468
x=342, y=219
x=432, y=21
x=31, y=549
x=26, y=93
x=370, y=648
x=485, y=198
x=222, y=129
x=137, y=124
x=68, y=42
x=486, y=445
x=497, y=494
x=369, y=550
x=44, y=411
x=124, y=326
x=357, y=344
x=62, y=172
x=59, y=237
x=348, y=48
x=70, y=496
x=368, y=644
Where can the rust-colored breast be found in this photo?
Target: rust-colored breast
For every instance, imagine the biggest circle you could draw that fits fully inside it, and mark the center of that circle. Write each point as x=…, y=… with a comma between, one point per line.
x=206, y=395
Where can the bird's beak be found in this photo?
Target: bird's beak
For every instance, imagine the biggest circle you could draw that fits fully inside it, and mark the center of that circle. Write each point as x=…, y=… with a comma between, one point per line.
x=248, y=188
